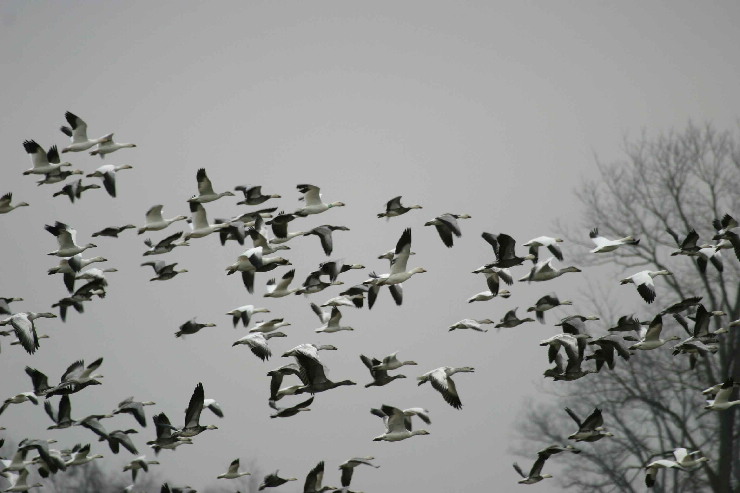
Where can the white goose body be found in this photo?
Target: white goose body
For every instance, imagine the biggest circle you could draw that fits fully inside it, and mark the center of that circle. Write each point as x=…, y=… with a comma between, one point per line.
x=6, y=206
x=77, y=132
x=107, y=146
x=155, y=221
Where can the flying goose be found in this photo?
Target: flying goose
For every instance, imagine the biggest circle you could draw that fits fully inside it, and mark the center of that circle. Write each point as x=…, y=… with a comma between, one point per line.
x=234, y=230
x=348, y=467
x=155, y=221
x=544, y=271
x=43, y=163
x=253, y=195
x=380, y=377
x=488, y=295
x=244, y=313
x=535, y=474
x=332, y=323
x=214, y=407
x=607, y=347
x=108, y=174
x=192, y=415
x=286, y=412
x=134, y=408
x=120, y=438
x=314, y=284
x=165, y=437
x=394, y=208
x=191, y=327
x=163, y=271
x=643, y=280
x=398, y=273
x=441, y=381
x=19, y=399
x=107, y=146
x=314, y=479
x=233, y=472
x=75, y=190
x=314, y=204
x=469, y=323
x=306, y=356
x=504, y=249
x=139, y=463
x=708, y=253
x=651, y=337
x=273, y=480
x=257, y=343
x=269, y=325
x=66, y=237
x=493, y=277
x=77, y=132
x=62, y=418
x=113, y=231
x=52, y=462
x=651, y=470
x=446, y=226
x=591, y=429
x=722, y=400
x=604, y=245
x=335, y=267
x=58, y=175
x=397, y=424
x=510, y=320
x=730, y=239
x=276, y=380
x=354, y=296
x=280, y=227
x=5, y=203
x=279, y=290
x=627, y=323
x=205, y=190
x=5, y=305
x=688, y=245
x=324, y=233
x=258, y=233
x=391, y=362
x=547, y=302
x=164, y=246
x=25, y=328
x=77, y=377
x=252, y=261
x=544, y=241
x=19, y=482
x=201, y=227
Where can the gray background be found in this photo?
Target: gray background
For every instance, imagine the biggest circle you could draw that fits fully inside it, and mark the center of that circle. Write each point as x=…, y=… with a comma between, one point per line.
x=489, y=108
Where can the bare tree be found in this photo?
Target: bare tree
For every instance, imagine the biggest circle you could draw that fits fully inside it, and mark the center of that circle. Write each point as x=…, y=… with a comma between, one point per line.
x=653, y=402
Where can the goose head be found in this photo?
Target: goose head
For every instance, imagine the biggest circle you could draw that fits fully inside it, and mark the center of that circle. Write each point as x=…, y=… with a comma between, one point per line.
x=336, y=204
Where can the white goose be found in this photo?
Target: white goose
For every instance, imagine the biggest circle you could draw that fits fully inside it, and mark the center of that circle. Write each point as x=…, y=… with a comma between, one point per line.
x=441, y=381
x=279, y=290
x=19, y=482
x=205, y=190
x=70, y=266
x=314, y=204
x=257, y=342
x=544, y=271
x=722, y=400
x=397, y=425
x=391, y=362
x=77, y=132
x=233, y=472
x=200, y=224
x=488, y=295
x=469, y=323
x=108, y=174
x=604, y=245
x=650, y=339
x=269, y=325
x=651, y=470
x=244, y=313
x=155, y=221
x=643, y=280
x=398, y=273
x=5, y=203
x=332, y=322
x=107, y=146
x=544, y=241
x=43, y=162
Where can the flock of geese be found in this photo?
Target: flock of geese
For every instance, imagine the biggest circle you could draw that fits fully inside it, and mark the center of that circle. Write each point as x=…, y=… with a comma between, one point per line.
x=268, y=233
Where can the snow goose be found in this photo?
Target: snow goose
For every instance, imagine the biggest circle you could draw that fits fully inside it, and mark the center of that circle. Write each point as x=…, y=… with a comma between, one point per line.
x=205, y=190
x=165, y=437
x=604, y=245
x=335, y=267
x=77, y=377
x=324, y=233
x=62, y=418
x=504, y=249
x=398, y=273
x=77, y=132
x=535, y=474
x=108, y=174
x=607, y=347
x=164, y=246
x=107, y=146
x=469, y=323
x=5, y=307
x=544, y=271
x=80, y=456
x=279, y=290
x=252, y=261
x=19, y=399
x=380, y=377
x=651, y=337
x=42, y=162
x=314, y=204
x=233, y=472
x=544, y=241
x=244, y=313
x=510, y=320
x=25, y=328
x=113, y=231
x=627, y=323
x=708, y=253
x=591, y=429
x=394, y=208
x=269, y=325
x=276, y=380
x=233, y=231
x=163, y=271
x=191, y=327
x=348, y=467
x=258, y=234
x=722, y=400
x=573, y=345
x=66, y=238
x=134, y=408
x=257, y=343
x=75, y=190
x=155, y=221
x=192, y=415
x=332, y=324
x=314, y=284
x=446, y=226
x=201, y=227
x=688, y=245
x=493, y=277
x=286, y=412
x=273, y=480
x=139, y=463
x=441, y=380
x=5, y=203
x=547, y=302
x=19, y=482
x=723, y=225
x=58, y=175
x=643, y=280
x=651, y=470
x=397, y=424
x=391, y=362
x=730, y=240
x=488, y=295
x=253, y=195
x=314, y=479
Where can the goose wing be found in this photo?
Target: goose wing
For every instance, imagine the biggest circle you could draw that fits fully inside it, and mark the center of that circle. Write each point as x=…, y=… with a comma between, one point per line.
x=324, y=234
x=37, y=153
x=314, y=478
x=311, y=194
x=653, y=331
x=286, y=280
x=79, y=128
x=392, y=204
x=204, y=184
x=154, y=214
x=402, y=252
x=169, y=240
x=397, y=293
x=594, y=420
x=195, y=407
x=396, y=421
x=25, y=331
x=109, y=182
x=5, y=200
x=446, y=386
x=319, y=313
x=573, y=416
x=200, y=220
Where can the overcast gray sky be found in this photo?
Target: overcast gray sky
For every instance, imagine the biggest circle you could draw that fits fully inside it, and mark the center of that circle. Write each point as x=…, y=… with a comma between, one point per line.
x=494, y=109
